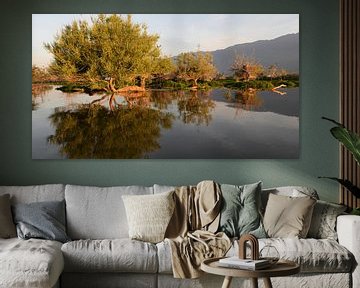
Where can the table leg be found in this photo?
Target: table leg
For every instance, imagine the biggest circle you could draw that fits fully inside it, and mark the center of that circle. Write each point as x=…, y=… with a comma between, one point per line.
x=227, y=282
x=254, y=282
x=267, y=283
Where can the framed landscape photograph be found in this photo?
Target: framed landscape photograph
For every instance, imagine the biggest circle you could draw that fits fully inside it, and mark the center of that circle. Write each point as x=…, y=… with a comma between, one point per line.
x=169, y=86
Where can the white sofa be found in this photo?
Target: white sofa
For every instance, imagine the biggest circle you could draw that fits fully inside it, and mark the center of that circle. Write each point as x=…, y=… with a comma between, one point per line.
x=101, y=255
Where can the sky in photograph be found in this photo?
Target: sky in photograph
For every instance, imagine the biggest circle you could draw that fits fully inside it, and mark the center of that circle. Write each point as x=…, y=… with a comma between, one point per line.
x=178, y=32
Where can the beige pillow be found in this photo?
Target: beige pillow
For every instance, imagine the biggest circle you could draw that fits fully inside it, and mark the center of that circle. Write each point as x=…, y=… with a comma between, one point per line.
x=7, y=226
x=149, y=215
x=288, y=217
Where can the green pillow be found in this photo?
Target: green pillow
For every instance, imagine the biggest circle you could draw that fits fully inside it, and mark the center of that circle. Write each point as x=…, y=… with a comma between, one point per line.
x=240, y=212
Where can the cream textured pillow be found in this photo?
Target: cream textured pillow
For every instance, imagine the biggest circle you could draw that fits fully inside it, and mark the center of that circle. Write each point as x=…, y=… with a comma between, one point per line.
x=288, y=217
x=149, y=215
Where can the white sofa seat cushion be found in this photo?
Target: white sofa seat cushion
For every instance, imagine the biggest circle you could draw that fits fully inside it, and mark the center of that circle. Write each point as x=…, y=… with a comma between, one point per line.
x=30, y=263
x=116, y=255
x=313, y=255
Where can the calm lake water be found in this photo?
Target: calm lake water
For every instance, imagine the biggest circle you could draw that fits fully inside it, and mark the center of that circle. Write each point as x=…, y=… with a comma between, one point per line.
x=166, y=124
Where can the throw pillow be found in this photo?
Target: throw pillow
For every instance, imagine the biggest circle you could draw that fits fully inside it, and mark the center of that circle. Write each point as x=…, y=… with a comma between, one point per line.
x=323, y=222
x=288, y=217
x=7, y=227
x=240, y=213
x=149, y=215
x=293, y=191
x=44, y=220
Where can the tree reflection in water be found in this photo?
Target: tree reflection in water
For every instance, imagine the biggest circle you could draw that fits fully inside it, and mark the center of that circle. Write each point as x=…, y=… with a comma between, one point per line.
x=130, y=100
x=161, y=99
x=129, y=126
x=93, y=131
x=38, y=91
x=196, y=107
x=246, y=99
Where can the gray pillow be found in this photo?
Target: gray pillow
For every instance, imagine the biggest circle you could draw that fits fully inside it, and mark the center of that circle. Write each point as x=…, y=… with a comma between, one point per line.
x=323, y=222
x=44, y=220
x=7, y=227
x=240, y=213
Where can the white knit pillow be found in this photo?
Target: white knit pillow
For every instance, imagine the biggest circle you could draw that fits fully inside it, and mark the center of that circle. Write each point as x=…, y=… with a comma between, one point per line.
x=149, y=215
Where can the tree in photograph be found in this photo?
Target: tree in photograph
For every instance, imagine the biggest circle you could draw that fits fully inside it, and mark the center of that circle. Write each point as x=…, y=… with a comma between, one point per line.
x=195, y=66
x=165, y=67
x=40, y=75
x=274, y=71
x=245, y=68
x=113, y=50
x=71, y=50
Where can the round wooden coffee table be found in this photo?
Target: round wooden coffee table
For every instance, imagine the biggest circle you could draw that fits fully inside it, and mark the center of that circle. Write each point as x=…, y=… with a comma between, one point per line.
x=281, y=268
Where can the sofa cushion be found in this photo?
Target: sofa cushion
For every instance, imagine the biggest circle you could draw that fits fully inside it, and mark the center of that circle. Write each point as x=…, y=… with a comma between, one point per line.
x=117, y=255
x=98, y=213
x=36, y=193
x=43, y=220
x=240, y=210
x=323, y=222
x=7, y=226
x=313, y=255
x=149, y=215
x=291, y=191
x=287, y=216
x=164, y=257
x=163, y=188
x=30, y=263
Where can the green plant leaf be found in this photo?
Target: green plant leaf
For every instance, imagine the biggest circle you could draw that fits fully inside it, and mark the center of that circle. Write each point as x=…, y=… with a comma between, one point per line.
x=355, y=211
x=333, y=121
x=347, y=184
x=349, y=139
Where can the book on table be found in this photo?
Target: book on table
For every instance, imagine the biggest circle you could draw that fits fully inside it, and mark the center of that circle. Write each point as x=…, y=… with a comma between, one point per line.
x=236, y=262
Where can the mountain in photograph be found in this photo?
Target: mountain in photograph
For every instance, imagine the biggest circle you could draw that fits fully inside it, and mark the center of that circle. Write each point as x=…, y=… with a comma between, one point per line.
x=282, y=51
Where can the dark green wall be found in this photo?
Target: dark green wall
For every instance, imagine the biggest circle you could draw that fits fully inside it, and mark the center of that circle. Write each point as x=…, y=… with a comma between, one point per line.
x=319, y=96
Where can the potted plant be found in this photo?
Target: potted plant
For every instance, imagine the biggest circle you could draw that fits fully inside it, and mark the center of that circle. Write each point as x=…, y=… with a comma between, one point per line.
x=351, y=141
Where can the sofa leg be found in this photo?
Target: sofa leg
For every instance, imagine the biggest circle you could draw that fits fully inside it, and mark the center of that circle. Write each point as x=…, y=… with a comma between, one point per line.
x=254, y=282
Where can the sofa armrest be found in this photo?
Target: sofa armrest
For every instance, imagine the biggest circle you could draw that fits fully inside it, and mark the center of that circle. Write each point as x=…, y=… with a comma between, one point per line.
x=348, y=230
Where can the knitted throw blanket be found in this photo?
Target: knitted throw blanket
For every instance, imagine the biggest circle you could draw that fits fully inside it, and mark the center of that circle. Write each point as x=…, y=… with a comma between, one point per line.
x=191, y=231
